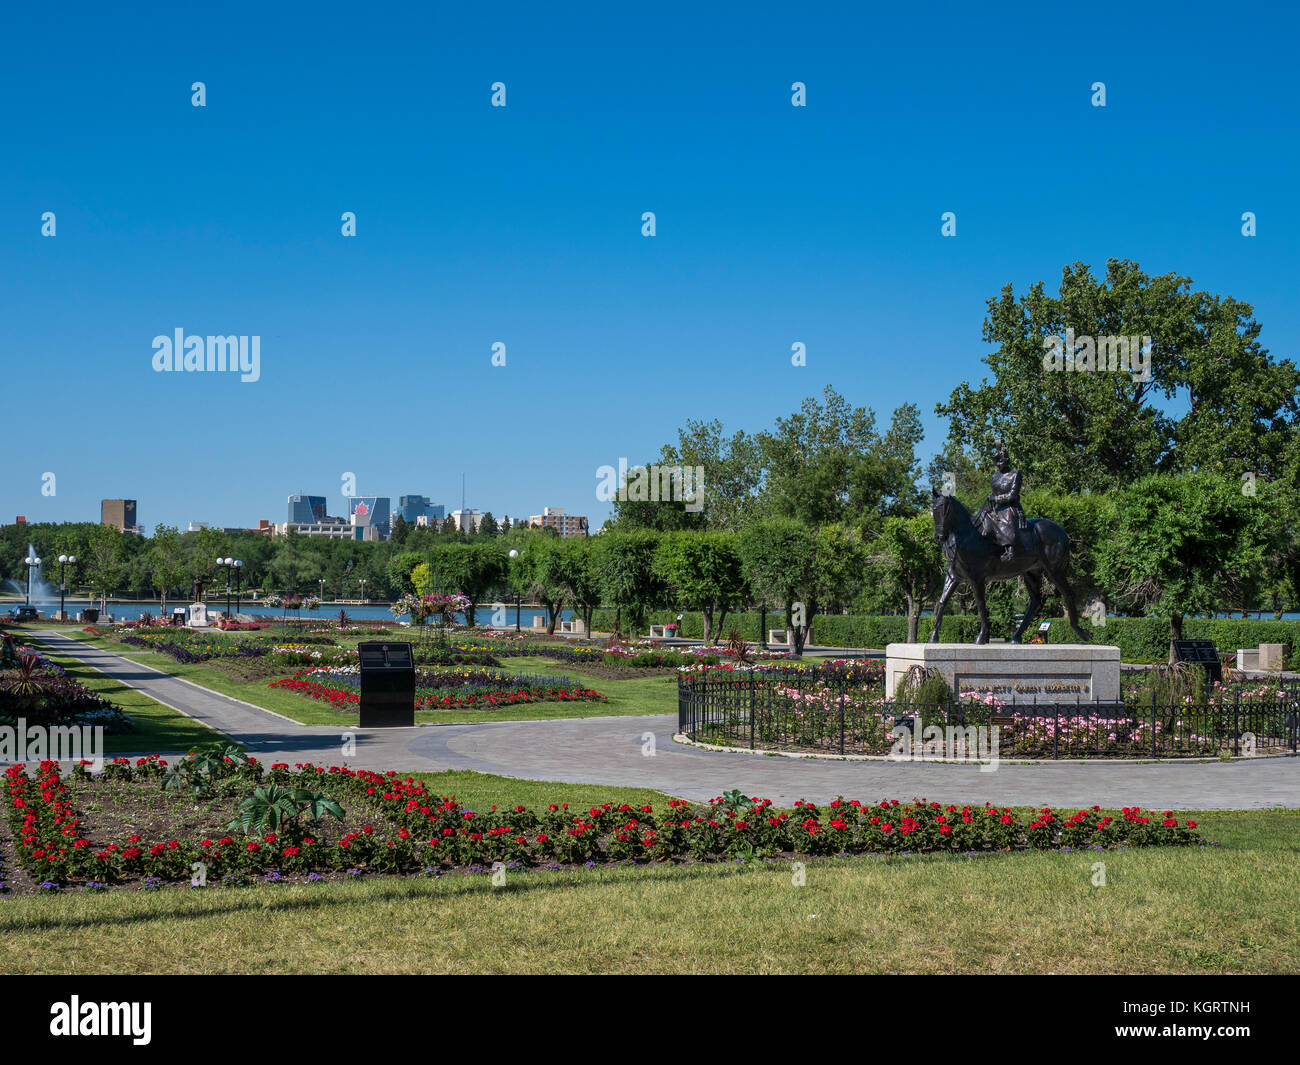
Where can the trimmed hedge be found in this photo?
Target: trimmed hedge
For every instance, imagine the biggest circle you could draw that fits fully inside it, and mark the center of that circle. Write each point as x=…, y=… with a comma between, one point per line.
x=1138, y=639
x=830, y=630
x=1147, y=639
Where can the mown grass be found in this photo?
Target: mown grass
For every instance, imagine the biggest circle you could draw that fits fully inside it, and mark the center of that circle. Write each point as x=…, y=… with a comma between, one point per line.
x=157, y=727
x=1229, y=909
x=637, y=695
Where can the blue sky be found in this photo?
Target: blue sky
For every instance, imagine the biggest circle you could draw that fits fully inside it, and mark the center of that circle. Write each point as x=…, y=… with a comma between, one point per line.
x=522, y=225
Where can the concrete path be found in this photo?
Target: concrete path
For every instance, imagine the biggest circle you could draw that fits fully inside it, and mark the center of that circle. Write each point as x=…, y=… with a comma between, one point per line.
x=613, y=751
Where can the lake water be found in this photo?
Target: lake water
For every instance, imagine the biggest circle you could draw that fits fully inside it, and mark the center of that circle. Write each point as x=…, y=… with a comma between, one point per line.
x=327, y=611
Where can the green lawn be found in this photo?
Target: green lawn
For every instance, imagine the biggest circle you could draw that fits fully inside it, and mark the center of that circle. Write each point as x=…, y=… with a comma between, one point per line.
x=159, y=728
x=1229, y=909
x=638, y=695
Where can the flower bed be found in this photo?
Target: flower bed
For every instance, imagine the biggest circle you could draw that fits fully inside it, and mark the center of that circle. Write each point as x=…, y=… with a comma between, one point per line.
x=387, y=824
x=449, y=689
x=187, y=646
x=40, y=692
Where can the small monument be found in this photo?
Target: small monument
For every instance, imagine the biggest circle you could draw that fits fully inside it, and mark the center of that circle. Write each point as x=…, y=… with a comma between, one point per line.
x=197, y=616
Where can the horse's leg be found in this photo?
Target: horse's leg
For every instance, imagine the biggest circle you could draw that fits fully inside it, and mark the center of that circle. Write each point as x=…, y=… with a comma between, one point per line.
x=1034, y=585
x=949, y=583
x=1067, y=597
x=977, y=585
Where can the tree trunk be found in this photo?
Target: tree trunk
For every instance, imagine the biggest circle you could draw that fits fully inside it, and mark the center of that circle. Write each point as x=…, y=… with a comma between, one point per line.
x=794, y=634
x=553, y=613
x=913, y=618
x=708, y=625
x=1175, y=633
x=722, y=623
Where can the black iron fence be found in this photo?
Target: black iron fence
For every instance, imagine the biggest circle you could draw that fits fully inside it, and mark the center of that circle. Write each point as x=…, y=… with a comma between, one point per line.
x=840, y=716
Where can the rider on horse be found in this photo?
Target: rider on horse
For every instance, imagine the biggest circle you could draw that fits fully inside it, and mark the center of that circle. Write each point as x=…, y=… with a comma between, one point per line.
x=1001, y=519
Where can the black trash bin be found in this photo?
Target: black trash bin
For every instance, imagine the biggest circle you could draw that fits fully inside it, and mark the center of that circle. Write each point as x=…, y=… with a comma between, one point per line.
x=387, y=684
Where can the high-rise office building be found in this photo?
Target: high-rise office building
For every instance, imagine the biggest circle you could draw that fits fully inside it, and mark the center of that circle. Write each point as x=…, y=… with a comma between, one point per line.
x=370, y=512
x=119, y=513
x=413, y=508
x=306, y=510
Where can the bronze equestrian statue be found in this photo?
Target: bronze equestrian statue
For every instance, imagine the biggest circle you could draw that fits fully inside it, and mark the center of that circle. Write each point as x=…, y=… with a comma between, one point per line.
x=999, y=544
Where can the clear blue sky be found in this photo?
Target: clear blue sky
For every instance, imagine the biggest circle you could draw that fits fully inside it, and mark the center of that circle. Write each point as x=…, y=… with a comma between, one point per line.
x=523, y=225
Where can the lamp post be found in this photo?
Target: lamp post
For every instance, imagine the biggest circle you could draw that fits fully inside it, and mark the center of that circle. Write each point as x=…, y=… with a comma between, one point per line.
x=227, y=562
x=63, y=585
x=32, y=563
x=322, y=591
x=515, y=554
x=239, y=568
x=362, y=581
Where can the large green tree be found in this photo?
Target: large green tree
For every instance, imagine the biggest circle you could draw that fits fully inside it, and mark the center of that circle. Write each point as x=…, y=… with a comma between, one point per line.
x=777, y=562
x=167, y=561
x=906, y=561
x=580, y=575
x=1179, y=543
x=103, y=563
x=471, y=568
x=625, y=563
x=827, y=462
x=1072, y=431
x=538, y=574
x=702, y=571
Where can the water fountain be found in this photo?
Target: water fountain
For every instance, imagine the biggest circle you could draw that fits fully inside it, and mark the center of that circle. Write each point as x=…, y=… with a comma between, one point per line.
x=44, y=596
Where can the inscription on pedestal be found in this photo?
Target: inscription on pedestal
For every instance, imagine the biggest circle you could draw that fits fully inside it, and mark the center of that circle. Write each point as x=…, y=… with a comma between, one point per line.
x=1014, y=673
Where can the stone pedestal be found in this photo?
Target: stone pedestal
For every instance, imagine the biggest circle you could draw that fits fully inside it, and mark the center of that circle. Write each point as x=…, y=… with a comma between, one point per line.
x=197, y=616
x=1272, y=657
x=1014, y=673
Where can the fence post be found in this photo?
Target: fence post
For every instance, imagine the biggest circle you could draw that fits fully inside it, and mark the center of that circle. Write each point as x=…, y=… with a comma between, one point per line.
x=1056, y=729
x=841, y=715
x=751, y=708
x=1153, y=721
x=1236, y=723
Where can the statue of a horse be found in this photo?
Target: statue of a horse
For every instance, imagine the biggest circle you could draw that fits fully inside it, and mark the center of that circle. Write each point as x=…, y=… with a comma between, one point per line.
x=1041, y=550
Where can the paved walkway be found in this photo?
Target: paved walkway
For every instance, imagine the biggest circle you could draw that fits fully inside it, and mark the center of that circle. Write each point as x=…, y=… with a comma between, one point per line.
x=609, y=750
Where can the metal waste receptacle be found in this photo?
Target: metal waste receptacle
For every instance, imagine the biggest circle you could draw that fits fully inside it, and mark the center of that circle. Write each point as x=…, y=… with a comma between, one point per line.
x=387, y=684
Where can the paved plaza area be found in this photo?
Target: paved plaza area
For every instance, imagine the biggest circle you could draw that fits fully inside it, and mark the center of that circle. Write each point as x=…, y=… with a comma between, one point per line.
x=612, y=750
